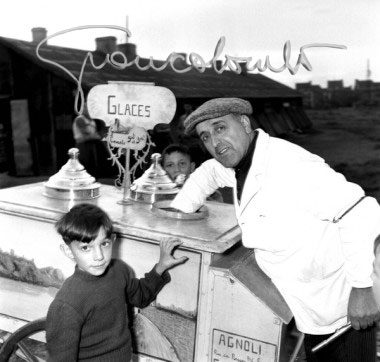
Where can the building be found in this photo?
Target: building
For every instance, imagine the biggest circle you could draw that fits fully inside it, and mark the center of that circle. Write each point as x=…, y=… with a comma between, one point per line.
x=313, y=95
x=364, y=93
x=37, y=98
x=367, y=92
x=337, y=95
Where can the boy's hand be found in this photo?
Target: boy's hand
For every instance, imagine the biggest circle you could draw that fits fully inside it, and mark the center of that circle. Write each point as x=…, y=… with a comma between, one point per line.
x=167, y=260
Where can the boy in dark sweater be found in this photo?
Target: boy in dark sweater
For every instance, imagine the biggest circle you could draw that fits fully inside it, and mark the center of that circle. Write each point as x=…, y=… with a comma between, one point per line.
x=87, y=320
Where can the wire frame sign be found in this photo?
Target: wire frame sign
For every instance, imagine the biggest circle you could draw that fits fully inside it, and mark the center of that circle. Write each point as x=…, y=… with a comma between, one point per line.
x=129, y=109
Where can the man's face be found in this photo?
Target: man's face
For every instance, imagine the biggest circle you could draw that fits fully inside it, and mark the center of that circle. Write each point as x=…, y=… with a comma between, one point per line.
x=226, y=138
x=177, y=163
x=93, y=257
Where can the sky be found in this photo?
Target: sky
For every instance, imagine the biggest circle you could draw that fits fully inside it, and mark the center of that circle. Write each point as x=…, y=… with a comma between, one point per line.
x=251, y=28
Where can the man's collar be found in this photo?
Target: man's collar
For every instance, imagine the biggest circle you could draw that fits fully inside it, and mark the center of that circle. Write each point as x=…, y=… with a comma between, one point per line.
x=246, y=160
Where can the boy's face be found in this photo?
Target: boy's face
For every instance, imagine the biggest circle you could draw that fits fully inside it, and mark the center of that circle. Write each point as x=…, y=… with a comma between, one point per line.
x=177, y=163
x=93, y=257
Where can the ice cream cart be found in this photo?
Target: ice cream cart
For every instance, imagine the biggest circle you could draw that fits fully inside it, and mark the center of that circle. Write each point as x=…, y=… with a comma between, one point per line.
x=219, y=305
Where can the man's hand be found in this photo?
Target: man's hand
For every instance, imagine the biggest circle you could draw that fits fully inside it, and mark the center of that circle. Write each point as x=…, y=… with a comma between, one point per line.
x=362, y=308
x=180, y=179
x=167, y=260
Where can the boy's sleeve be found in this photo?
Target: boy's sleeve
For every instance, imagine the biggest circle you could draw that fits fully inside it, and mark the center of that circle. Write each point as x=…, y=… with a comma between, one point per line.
x=141, y=292
x=63, y=327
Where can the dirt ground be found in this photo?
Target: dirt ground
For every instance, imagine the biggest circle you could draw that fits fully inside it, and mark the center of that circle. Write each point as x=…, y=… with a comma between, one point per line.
x=349, y=140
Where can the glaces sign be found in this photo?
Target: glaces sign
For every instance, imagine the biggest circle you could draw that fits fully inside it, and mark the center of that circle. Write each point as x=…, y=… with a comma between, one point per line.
x=131, y=104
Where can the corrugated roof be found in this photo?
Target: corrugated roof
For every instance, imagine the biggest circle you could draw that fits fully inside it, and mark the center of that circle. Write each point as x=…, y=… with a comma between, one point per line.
x=192, y=84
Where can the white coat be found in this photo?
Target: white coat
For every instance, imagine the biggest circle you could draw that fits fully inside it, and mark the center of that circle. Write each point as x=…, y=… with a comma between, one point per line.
x=289, y=202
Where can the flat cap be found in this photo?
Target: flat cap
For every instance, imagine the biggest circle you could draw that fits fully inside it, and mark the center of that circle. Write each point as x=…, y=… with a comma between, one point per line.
x=214, y=108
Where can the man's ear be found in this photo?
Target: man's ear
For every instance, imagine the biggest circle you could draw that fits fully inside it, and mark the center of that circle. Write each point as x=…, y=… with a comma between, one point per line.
x=192, y=166
x=246, y=123
x=67, y=251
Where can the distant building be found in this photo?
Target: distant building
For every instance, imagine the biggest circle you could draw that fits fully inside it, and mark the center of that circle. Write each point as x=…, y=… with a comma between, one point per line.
x=339, y=96
x=367, y=92
x=37, y=98
x=335, y=85
x=313, y=95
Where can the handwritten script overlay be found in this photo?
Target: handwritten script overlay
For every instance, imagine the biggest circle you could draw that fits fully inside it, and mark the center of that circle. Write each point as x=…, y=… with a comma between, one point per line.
x=134, y=138
x=118, y=60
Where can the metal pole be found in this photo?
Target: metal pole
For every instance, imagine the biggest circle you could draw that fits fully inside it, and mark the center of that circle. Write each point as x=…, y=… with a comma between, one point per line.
x=333, y=337
x=126, y=182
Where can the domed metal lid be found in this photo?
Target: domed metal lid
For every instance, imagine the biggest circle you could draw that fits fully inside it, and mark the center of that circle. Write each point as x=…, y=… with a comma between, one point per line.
x=155, y=180
x=72, y=181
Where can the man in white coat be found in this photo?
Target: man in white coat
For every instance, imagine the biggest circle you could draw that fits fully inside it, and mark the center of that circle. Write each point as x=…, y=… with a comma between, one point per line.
x=312, y=230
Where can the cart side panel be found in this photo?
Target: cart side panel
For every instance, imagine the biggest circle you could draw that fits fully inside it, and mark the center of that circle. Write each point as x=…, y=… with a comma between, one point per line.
x=181, y=294
x=243, y=328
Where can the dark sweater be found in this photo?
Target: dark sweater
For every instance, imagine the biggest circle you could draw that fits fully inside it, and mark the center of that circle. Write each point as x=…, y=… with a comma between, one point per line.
x=242, y=169
x=88, y=321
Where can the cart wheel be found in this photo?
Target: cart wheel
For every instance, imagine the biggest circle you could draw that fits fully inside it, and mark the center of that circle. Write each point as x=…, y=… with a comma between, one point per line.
x=15, y=342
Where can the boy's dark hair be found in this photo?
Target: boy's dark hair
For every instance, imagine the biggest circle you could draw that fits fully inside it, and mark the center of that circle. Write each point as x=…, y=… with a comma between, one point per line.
x=176, y=148
x=82, y=223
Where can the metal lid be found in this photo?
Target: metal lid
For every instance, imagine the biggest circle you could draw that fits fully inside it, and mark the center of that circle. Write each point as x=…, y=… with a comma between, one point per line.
x=72, y=181
x=154, y=181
